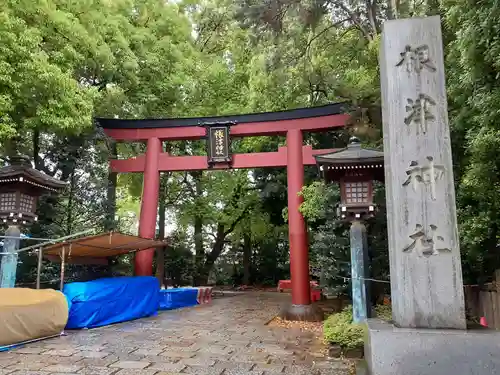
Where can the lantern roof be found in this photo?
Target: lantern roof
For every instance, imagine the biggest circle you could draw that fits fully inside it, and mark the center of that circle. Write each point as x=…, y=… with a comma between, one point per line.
x=20, y=170
x=352, y=154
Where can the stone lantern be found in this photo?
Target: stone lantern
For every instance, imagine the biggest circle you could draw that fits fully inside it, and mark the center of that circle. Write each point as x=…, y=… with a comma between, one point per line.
x=20, y=187
x=355, y=169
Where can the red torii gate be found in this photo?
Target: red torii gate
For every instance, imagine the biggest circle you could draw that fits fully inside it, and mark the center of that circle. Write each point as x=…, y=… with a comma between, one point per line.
x=294, y=156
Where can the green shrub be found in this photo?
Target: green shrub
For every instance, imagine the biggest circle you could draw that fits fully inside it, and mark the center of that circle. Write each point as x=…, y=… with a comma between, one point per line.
x=340, y=330
x=383, y=312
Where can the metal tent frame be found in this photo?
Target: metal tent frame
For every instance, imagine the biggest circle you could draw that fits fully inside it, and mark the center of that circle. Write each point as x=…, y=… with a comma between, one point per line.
x=76, y=245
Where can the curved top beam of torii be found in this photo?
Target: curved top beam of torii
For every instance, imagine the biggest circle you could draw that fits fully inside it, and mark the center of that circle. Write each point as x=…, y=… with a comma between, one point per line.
x=319, y=118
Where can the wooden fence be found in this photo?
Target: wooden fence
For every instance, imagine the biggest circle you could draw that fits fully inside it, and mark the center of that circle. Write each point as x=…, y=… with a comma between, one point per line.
x=484, y=301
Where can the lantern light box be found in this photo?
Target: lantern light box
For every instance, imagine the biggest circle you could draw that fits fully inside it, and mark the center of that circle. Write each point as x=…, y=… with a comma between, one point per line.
x=355, y=169
x=20, y=187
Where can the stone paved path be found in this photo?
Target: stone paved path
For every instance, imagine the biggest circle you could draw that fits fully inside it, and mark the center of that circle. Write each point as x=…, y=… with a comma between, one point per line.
x=227, y=337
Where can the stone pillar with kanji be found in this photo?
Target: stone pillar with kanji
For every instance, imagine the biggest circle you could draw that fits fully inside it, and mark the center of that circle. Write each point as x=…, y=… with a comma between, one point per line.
x=424, y=250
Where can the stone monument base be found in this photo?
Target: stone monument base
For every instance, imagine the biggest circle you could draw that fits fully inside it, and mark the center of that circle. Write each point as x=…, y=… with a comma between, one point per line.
x=407, y=351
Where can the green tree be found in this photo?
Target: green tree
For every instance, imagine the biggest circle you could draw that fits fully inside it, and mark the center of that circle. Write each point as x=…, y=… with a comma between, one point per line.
x=330, y=247
x=474, y=99
x=228, y=198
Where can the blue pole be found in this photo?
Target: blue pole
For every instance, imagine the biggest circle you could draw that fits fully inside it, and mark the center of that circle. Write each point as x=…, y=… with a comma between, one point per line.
x=359, y=271
x=8, y=265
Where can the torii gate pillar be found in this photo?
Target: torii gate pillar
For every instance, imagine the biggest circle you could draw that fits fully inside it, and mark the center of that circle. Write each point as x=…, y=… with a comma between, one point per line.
x=143, y=262
x=301, y=307
x=299, y=257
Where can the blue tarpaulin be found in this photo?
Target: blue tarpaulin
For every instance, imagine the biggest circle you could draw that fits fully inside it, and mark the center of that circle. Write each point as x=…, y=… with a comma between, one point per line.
x=111, y=300
x=179, y=297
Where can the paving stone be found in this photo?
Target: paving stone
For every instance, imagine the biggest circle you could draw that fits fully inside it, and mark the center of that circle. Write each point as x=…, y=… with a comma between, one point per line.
x=217, y=349
x=130, y=357
x=158, y=358
x=188, y=338
x=122, y=351
x=147, y=352
x=29, y=350
x=8, y=355
x=29, y=372
x=54, y=360
x=336, y=363
x=251, y=358
x=272, y=349
x=92, y=348
x=98, y=362
x=235, y=371
x=301, y=370
x=172, y=367
x=233, y=365
x=241, y=341
x=290, y=360
x=97, y=370
x=86, y=354
x=173, y=354
x=332, y=364
x=62, y=368
x=198, y=370
x=180, y=342
x=212, y=356
x=192, y=348
x=130, y=364
x=269, y=367
x=7, y=362
x=26, y=358
x=198, y=361
x=27, y=366
x=60, y=352
x=57, y=345
x=136, y=372
x=332, y=371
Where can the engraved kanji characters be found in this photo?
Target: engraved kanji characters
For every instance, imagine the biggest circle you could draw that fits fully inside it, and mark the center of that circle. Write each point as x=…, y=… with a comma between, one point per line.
x=420, y=112
x=425, y=239
x=415, y=59
x=427, y=245
x=428, y=175
x=219, y=142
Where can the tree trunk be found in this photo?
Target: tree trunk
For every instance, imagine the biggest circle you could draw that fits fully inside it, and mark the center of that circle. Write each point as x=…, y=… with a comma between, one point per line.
x=36, y=150
x=247, y=257
x=371, y=8
x=204, y=274
x=202, y=277
x=198, y=235
x=69, y=216
x=110, y=223
x=218, y=246
x=198, y=244
x=394, y=9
